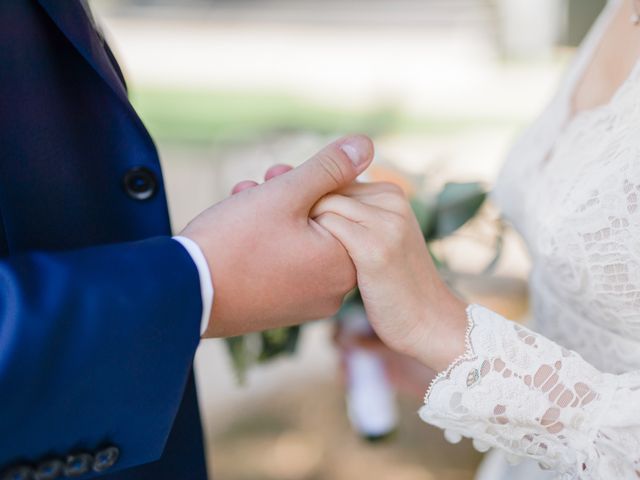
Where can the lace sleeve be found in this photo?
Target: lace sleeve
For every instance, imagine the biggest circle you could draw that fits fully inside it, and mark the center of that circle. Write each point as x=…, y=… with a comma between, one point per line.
x=521, y=392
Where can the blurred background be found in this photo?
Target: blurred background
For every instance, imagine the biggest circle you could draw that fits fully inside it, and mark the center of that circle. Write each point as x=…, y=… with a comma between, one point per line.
x=229, y=87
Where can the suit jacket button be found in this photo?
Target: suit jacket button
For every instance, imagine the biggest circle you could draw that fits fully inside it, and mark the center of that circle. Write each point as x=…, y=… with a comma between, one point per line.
x=21, y=472
x=49, y=469
x=105, y=459
x=140, y=183
x=78, y=464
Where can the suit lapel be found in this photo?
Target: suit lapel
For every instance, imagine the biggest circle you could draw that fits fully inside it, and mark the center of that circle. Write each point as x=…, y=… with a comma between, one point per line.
x=72, y=19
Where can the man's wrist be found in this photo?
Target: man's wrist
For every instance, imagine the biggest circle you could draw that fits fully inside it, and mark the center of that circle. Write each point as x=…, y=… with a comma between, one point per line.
x=204, y=275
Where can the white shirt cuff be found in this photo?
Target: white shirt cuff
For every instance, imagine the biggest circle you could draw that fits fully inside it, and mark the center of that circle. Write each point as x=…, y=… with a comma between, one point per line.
x=206, y=287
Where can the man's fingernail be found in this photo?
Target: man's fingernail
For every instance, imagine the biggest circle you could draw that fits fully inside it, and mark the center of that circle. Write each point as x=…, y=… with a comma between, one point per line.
x=357, y=149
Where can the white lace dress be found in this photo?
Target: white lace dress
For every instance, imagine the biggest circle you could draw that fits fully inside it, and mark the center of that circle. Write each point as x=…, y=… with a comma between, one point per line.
x=566, y=398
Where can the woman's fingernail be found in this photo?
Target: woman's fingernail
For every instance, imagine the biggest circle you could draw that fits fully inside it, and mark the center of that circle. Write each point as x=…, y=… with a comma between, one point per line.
x=358, y=149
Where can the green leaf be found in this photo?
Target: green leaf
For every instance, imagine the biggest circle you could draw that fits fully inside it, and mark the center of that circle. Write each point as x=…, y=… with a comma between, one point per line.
x=239, y=356
x=352, y=298
x=425, y=214
x=491, y=266
x=455, y=205
x=439, y=264
x=278, y=341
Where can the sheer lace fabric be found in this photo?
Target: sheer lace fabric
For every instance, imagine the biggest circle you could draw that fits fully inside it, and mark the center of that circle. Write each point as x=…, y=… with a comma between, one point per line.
x=568, y=395
x=516, y=390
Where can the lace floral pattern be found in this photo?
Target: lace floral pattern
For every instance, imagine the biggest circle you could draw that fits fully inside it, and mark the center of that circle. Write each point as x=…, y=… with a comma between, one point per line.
x=530, y=397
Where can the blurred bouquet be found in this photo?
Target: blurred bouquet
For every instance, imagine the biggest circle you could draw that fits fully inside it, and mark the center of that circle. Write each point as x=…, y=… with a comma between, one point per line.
x=439, y=216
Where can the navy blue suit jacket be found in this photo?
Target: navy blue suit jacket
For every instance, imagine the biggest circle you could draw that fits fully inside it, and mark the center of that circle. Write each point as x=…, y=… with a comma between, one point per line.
x=99, y=307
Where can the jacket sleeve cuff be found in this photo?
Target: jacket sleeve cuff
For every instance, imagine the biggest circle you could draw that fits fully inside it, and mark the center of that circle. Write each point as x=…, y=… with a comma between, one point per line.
x=204, y=274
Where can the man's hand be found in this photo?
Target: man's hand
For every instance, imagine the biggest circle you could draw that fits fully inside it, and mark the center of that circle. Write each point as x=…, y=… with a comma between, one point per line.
x=270, y=264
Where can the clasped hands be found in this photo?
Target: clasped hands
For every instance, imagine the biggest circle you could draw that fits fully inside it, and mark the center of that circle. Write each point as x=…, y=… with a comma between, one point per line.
x=289, y=250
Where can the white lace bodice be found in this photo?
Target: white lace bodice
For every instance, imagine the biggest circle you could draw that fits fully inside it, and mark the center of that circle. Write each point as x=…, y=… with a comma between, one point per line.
x=568, y=395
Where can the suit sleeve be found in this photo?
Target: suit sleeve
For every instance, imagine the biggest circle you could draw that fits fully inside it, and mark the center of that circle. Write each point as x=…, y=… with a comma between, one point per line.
x=95, y=348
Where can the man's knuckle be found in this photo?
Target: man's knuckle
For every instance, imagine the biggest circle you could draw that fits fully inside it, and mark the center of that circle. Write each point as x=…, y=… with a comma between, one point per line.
x=333, y=169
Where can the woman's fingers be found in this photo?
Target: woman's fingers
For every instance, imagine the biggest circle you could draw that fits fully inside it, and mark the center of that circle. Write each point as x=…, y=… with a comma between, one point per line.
x=369, y=188
x=383, y=195
x=245, y=184
x=272, y=172
x=347, y=207
x=346, y=231
x=370, y=233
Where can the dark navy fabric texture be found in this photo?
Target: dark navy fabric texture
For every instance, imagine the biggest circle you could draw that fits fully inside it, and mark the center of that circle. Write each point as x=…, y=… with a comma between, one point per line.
x=99, y=307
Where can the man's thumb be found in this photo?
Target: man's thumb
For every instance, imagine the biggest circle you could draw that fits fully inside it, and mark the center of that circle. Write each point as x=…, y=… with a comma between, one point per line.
x=333, y=167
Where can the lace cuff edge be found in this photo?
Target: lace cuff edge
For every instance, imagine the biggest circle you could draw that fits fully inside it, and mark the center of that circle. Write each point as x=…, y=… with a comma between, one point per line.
x=469, y=353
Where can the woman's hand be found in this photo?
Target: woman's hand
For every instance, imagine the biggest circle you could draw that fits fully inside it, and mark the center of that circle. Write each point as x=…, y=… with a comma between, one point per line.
x=407, y=303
